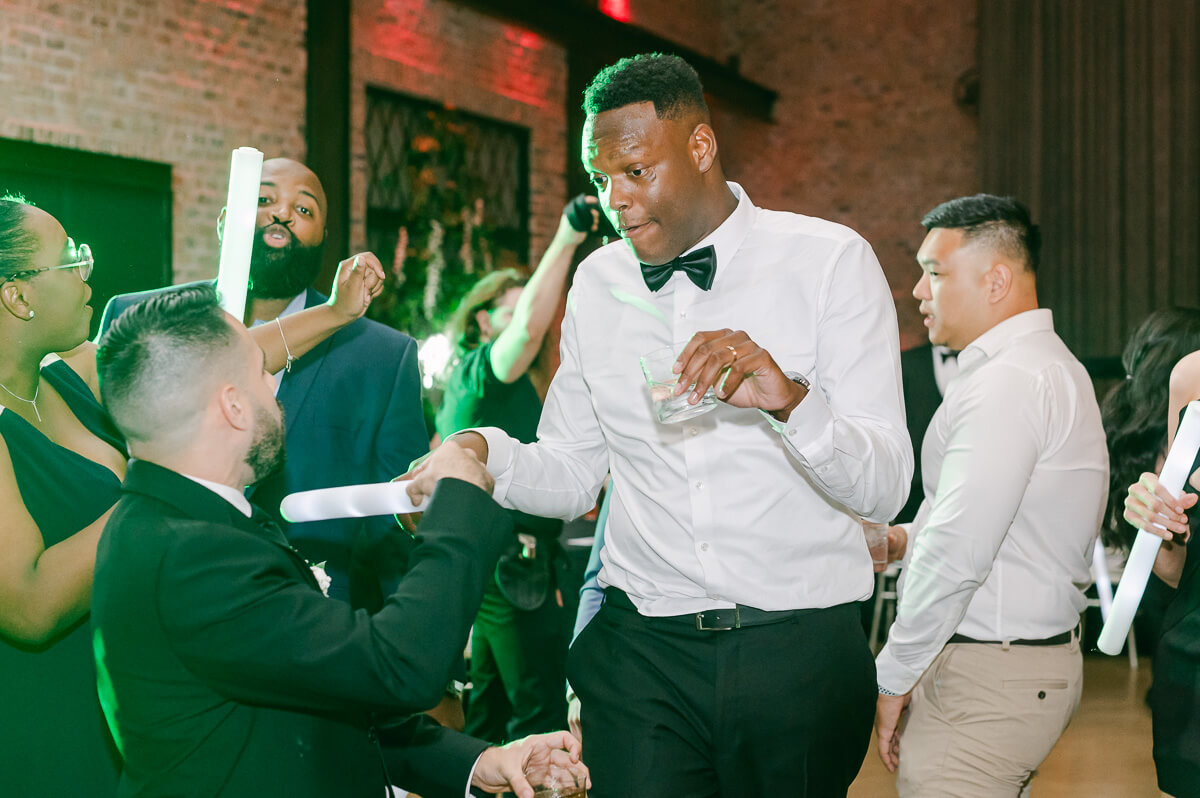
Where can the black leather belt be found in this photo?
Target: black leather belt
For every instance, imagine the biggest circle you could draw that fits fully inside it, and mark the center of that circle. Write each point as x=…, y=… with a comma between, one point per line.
x=718, y=620
x=1057, y=640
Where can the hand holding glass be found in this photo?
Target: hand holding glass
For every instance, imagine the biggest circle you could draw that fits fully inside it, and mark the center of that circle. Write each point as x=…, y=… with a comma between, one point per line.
x=877, y=542
x=658, y=366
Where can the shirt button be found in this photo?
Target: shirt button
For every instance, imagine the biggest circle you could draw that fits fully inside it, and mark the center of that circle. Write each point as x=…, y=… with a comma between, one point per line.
x=792, y=432
x=703, y=547
x=693, y=431
x=683, y=314
x=699, y=486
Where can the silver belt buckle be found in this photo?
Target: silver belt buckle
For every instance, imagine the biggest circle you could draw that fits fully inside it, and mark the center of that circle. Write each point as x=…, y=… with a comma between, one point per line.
x=737, y=620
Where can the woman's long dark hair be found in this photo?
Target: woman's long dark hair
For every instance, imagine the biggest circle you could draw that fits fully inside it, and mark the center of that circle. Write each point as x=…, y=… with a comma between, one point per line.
x=463, y=329
x=1135, y=412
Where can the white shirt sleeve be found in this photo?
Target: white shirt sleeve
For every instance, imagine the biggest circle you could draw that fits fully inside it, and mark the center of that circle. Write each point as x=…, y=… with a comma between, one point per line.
x=560, y=475
x=997, y=428
x=849, y=432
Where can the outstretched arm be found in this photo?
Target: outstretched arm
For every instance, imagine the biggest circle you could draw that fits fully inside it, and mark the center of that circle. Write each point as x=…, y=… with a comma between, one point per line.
x=359, y=280
x=517, y=346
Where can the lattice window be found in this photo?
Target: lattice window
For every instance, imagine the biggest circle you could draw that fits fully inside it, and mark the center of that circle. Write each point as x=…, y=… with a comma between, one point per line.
x=452, y=190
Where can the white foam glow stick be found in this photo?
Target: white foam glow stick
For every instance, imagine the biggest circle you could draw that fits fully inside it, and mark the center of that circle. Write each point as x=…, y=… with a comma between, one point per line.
x=1175, y=472
x=352, y=501
x=237, y=237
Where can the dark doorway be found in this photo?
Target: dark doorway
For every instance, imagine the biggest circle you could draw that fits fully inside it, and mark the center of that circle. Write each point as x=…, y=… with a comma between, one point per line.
x=121, y=207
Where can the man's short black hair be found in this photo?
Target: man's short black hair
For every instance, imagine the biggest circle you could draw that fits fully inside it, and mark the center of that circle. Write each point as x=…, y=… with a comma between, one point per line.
x=1001, y=222
x=157, y=358
x=665, y=80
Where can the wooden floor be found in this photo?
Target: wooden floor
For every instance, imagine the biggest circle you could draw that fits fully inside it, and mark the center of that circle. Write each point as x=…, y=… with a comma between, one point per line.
x=1104, y=753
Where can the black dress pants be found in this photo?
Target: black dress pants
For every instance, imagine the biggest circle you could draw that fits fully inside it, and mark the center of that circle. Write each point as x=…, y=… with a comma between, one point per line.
x=779, y=709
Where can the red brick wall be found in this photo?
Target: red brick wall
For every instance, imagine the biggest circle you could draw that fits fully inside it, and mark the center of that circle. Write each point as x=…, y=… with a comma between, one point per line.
x=438, y=50
x=182, y=82
x=866, y=131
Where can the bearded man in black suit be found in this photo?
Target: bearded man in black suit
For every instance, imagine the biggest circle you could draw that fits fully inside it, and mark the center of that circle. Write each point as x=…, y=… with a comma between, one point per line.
x=223, y=668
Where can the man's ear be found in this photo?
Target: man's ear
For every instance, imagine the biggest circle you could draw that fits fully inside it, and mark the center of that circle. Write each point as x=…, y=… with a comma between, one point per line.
x=235, y=408
x=703, y=146
x=12, y=297
x=999, y=282
x=220, y=225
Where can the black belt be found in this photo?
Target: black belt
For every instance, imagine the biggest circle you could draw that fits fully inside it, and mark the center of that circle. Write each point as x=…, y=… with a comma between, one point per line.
x=1057, y=640
x=710, y=620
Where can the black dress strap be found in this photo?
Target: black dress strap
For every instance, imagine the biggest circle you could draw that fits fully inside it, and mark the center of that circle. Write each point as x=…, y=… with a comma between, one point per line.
x=82, y=402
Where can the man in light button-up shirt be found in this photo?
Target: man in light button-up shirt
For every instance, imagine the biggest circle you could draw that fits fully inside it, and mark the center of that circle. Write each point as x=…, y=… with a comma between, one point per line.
x=1015, y=472
x=728, y=658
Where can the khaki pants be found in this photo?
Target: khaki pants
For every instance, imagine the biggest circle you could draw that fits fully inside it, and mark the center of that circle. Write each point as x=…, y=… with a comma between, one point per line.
x=983, y=717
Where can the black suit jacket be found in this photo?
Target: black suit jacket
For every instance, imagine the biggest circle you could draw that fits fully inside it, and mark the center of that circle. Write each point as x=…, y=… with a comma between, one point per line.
x=921, y=400
x=223, y=670
x=353, y=415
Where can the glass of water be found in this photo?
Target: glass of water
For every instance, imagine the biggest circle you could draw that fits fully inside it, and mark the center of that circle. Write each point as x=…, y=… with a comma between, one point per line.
x=661, y=379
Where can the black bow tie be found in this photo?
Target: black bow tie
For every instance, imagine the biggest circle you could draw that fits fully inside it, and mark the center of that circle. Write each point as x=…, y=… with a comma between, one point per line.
x=700, y=267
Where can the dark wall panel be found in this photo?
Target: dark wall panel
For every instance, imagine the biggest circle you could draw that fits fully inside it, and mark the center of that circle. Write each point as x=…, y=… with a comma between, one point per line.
x=1089, y=113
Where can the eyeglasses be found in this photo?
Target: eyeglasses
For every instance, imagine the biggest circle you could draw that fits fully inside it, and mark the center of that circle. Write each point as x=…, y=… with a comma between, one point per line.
x=83, y=262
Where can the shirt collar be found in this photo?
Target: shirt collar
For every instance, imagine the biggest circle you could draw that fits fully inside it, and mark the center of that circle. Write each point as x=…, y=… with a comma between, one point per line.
x=730, y=233
x=1001, y=335
x=231, y=495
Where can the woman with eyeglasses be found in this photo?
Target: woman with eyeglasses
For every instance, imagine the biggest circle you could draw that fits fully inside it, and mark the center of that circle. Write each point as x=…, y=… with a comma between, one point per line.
x=61, y=466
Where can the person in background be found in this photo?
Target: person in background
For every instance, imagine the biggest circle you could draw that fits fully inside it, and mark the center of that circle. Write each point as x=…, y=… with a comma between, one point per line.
x=519, y=641
x=61, y=465
x=1174, y=696
x=985, y=644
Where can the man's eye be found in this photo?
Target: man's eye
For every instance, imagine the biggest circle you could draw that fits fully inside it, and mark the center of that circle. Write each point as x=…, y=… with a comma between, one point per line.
x=637, y=171
x=304, y=210
x=598, y=181
x=263, y=200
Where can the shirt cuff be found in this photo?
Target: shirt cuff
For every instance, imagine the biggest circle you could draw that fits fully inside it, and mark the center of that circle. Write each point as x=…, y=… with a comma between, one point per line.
x=471, y=775
x=893, y=677
x=502, y=449
x=809, y=429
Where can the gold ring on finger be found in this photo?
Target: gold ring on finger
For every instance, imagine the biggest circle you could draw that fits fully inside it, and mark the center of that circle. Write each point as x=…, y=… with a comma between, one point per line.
x=731, y=349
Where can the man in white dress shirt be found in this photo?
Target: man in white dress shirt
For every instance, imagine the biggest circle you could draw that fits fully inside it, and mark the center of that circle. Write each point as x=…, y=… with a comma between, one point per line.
x=986, y=643
x=728, y=659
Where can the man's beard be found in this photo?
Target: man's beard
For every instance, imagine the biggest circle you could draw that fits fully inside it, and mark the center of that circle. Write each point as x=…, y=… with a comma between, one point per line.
x=282, y=272
x=267, y=452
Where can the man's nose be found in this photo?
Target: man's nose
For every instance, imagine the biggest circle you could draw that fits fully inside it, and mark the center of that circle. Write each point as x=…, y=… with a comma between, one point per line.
x=921, y=289
x=618, y=198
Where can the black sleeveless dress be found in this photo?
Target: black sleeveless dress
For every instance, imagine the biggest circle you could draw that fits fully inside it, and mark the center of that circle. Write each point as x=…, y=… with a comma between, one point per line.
x=53, y=738
x=1175, y=692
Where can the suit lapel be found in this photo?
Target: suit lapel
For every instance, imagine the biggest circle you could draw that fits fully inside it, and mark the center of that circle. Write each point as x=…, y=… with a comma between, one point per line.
x=296, y=384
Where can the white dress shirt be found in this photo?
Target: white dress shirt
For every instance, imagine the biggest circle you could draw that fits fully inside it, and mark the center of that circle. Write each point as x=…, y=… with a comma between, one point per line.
x=723, y=508
x=1016, y=476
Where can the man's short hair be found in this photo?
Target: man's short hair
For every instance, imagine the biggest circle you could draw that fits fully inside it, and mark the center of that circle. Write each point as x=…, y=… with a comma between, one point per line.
x=159, y=358
x=1001, y=222
x=665, y=80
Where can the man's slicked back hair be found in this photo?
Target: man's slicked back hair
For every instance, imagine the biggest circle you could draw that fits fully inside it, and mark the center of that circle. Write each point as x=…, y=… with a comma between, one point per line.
x=665, y=80
x=1001, y=222
x=158, y=359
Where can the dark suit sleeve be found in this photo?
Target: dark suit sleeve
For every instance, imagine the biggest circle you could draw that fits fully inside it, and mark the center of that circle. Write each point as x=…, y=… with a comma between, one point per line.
x=241, y=614
x=429, y=759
